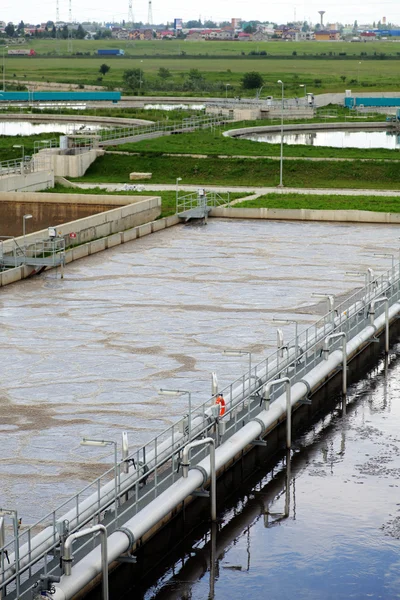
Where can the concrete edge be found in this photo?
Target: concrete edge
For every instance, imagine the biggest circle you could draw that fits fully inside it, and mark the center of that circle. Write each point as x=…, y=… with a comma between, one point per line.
x=306, y=127
x=89, y=248
x=304, y=214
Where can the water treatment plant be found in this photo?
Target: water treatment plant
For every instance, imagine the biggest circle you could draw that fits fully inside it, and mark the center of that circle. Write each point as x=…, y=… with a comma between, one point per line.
x=194, y=388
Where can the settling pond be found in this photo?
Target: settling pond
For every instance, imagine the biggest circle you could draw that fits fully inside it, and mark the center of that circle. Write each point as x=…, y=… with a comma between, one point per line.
x=86, y=356
x=33, y=128
x=335, y=139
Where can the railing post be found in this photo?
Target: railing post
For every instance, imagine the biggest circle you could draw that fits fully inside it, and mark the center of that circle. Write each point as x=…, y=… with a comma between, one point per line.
x=371, y=313
x=67, y=557
x=267, y=396
x=186, y=464
x=325, y=350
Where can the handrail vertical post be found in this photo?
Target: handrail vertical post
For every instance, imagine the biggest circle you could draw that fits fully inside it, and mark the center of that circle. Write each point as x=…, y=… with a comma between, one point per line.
x=67, y=557
x=213, y=484
x=325, y=350
x=267, y=395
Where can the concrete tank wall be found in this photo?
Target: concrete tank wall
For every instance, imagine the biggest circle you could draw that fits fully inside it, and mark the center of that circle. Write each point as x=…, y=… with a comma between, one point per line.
x=90, y=216
x=29, y=182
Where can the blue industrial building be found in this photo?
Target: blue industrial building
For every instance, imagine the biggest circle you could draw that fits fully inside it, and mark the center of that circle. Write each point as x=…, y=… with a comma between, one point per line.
x=60, y=96
x=352, y=102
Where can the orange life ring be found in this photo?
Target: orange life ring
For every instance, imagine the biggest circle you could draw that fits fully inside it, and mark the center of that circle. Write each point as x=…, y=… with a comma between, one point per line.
x=222, y=404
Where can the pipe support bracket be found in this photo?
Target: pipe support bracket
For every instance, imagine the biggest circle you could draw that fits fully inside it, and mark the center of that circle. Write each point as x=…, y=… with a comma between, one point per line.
x=129, y=535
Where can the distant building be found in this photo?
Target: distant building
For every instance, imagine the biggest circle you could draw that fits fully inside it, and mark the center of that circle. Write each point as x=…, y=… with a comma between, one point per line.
x=236, y=23
x=327, y=36
x=304, y=36
x=261, y=36
x=194, y=36
x=367, y=36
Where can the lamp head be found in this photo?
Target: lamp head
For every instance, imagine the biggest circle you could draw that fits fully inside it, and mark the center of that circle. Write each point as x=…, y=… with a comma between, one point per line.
x=101, y=443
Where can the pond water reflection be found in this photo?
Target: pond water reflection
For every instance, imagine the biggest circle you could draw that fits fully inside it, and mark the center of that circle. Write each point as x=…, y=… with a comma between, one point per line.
x=33, y=128
x=334, y=139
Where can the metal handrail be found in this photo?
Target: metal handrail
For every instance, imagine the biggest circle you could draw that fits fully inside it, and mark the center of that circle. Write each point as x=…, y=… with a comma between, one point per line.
x=162, y=126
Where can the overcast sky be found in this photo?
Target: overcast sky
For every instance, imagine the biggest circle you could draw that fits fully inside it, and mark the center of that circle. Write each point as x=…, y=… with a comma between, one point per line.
x=274, y=10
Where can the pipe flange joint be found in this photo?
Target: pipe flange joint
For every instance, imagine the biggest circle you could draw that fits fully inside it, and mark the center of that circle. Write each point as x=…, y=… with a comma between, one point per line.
x=261, y=424
x=143, y=466
x=307, y=386
x=208, y=418
x=129, y=535
x=202, y=471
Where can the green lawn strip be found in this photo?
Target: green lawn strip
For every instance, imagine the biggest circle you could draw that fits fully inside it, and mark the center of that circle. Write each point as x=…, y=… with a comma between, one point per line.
x=168, y=198
x=329, y=202
x=232, y=172
x=205, y=142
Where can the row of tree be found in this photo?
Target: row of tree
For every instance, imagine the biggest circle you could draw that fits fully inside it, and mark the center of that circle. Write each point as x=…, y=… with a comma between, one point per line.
x=50, y=31
x=135, y=80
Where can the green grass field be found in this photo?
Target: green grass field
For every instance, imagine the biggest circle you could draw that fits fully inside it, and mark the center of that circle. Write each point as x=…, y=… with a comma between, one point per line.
x=373, y=203
x=234, y=172
x=220, y=62
x=216, y=48
x=214, y=143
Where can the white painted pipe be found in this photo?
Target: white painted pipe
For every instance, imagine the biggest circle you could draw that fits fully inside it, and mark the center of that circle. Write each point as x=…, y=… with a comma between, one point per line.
x=88, y=507
x=344, y=365
x=146, y=519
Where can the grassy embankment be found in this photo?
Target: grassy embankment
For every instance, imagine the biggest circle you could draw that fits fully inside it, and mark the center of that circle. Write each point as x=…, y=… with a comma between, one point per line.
x=233, y=172
x=168, y=198
x=213, y=143
x=389, y=204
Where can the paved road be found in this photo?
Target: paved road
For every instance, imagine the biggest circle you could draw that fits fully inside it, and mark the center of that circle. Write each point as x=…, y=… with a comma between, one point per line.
x=156, y=187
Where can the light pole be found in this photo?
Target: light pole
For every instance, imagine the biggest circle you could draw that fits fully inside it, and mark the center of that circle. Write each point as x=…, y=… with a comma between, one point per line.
x=296, y=325
x=164, y=392
x=240, y=353
x=140, y=76
x=4, y=68
x=24, y=219
x=387, y=255
x=358, y=72
x=226, y=89
x=178, y=179
x=23, y=151
x=303, y=85
x=102, y=444
x=281, y=161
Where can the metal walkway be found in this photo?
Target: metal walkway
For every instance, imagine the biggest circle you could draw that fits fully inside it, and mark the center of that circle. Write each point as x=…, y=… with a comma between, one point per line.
x=198, y=206
x=42, y=254
x=141, y=476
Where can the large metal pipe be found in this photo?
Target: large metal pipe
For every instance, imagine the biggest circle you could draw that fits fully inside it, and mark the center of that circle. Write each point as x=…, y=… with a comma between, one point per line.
x=93, y=503
x=161, y=506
